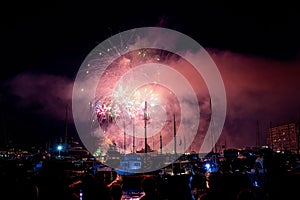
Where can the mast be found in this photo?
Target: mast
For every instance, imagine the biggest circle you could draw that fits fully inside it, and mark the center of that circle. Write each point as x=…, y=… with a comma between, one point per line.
x=184, y=145
x=160, y=140
x=145, y=125
x=133, y=135
x=124, y=137
x=175, y=135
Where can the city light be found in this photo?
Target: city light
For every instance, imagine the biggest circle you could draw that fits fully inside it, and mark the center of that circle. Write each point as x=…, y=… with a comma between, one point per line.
x=59, y=148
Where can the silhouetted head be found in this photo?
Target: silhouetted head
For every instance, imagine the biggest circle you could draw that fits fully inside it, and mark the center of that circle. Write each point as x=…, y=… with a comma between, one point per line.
x=116, y=191
x=148, y=184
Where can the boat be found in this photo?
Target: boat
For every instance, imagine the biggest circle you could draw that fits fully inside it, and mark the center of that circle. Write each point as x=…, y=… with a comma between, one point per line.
x=130, y=164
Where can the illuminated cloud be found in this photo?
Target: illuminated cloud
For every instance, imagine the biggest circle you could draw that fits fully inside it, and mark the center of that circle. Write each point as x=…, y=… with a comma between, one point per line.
x=257, y=89
x=43, y=93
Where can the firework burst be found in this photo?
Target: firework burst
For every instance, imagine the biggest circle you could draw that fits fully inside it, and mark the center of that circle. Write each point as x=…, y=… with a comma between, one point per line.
x=163, y=68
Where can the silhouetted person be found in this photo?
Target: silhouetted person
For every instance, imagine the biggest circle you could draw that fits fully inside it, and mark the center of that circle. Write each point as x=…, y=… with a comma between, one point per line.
x=179, y=188
x=90, y=188
x=148, y=185
x=216, y=189
x=116, y=191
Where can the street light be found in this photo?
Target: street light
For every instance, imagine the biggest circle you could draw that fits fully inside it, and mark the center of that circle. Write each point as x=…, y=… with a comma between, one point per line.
x=59, y=148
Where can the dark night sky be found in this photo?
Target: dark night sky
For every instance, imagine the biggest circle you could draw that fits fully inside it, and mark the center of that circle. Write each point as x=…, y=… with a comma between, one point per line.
x=43, y=46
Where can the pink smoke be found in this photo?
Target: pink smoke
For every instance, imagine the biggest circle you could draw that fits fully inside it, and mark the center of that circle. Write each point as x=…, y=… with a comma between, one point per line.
x=257, y=89
x=51, y=94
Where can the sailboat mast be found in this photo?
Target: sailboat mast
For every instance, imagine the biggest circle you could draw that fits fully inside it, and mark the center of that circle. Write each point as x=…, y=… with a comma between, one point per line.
x=145, y=126
x=124, y=137
x=133, y=135
x=175, y=135
x=160, y=140
x=184, y=145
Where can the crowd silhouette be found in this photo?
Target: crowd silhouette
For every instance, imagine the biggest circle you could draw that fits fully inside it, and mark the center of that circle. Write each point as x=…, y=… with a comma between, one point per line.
x=269, y=179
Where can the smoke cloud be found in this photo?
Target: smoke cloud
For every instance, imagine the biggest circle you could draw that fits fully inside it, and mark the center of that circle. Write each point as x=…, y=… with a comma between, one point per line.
x=47, y=94
x=257, y=89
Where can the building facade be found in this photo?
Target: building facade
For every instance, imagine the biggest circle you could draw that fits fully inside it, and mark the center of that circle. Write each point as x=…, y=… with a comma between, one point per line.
x=284, y=137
